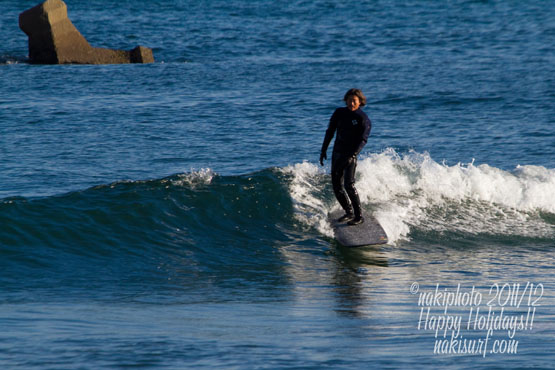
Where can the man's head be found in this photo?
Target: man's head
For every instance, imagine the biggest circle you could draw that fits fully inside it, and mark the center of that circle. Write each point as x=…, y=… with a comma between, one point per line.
x=354, y=98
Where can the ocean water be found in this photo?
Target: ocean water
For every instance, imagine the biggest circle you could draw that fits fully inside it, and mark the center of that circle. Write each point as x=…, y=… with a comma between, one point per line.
x=173, y=215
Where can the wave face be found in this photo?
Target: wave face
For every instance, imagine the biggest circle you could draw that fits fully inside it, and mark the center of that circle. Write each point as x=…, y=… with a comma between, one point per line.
x=201, y=226
x=187, y=227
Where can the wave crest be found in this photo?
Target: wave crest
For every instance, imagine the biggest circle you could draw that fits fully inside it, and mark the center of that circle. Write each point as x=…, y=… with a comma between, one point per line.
x=413, y=191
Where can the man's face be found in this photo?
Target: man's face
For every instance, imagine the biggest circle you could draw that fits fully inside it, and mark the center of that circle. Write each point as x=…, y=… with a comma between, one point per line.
x=353, y=103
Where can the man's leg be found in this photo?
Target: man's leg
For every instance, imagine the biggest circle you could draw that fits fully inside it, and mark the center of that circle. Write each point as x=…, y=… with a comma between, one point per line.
x=352, y=191
x=337, y=180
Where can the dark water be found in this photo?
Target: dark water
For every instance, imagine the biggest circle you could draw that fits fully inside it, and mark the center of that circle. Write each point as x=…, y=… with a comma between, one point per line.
x=174, y=215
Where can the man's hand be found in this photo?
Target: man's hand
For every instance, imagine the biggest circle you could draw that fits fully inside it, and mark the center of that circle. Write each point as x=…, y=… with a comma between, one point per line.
x=322, y=157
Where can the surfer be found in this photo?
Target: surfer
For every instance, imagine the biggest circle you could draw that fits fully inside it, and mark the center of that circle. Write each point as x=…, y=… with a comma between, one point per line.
x=353, y=127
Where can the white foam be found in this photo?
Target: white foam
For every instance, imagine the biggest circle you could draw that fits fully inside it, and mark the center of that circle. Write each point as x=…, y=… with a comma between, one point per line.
x=306, y=190
x=415, y=191
x=192, y=179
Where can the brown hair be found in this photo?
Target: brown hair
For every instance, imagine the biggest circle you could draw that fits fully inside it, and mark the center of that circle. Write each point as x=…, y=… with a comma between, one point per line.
x=358, y=93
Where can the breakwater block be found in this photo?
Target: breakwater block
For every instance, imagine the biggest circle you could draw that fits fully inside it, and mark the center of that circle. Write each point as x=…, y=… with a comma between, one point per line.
x=53, y=39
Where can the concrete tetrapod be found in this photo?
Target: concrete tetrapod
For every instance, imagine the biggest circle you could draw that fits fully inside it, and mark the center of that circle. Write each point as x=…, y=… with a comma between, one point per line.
x=53, y=39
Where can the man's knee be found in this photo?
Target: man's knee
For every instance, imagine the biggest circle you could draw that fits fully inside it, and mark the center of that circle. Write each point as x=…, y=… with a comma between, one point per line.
x=337, y=187
x=349, y=185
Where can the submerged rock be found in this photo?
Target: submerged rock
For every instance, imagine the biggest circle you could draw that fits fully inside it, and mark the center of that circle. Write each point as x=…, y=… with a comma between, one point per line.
x=53, y=39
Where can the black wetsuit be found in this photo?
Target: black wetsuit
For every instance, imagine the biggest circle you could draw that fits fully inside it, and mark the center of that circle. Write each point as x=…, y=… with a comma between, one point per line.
x=353, y=129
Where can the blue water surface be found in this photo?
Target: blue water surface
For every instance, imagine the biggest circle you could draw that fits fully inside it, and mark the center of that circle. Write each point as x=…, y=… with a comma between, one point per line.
x=156, y=215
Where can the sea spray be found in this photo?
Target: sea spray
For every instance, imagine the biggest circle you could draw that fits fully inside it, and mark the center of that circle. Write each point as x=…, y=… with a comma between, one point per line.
x=306, y=188
x=193, y=178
